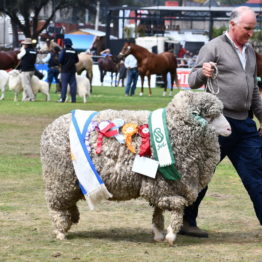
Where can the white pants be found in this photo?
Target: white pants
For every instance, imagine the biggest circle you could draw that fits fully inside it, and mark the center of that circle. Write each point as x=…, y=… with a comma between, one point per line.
x=26, y=84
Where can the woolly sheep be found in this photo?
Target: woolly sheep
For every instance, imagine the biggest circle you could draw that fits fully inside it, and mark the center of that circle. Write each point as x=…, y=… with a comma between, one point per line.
x=38, y=86
x=195, y=148
x=3, y=83
x=83, y=87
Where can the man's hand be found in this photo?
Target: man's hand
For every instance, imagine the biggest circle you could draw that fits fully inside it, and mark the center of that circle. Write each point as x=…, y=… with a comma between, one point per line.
x=208, y=69
x=260, y=129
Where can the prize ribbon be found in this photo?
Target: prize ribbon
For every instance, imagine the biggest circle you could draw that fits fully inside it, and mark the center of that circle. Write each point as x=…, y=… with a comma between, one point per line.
x=119, y=123
x=104, y=130
x=92, y=126
x=143, y=131
x=129, y=130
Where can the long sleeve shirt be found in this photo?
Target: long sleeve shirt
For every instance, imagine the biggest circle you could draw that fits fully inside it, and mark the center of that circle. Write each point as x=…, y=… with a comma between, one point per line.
x=237, y=85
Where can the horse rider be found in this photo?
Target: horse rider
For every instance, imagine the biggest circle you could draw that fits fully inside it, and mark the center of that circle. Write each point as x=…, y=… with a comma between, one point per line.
x=68, y=58
x=27, y=55
x=106, y=52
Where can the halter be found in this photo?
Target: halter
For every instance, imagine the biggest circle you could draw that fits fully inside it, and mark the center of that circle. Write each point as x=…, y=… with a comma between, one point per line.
x=211, y=81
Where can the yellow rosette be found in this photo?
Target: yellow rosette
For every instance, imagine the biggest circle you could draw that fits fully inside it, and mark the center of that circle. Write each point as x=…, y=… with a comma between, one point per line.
x=129, y=130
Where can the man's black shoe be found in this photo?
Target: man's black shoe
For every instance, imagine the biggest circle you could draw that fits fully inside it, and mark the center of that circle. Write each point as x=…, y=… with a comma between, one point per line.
x=192, y=231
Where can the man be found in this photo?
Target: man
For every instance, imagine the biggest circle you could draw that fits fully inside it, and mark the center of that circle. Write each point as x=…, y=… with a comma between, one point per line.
x=27, y=55
x=236, y=81
x=68, y=58
x=53, y=67
x=132, y=75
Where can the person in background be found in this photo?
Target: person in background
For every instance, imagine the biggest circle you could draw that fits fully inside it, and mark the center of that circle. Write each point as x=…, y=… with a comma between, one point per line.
x=53, y=67
x=181, y=52
x=106, y=52
x=235, y=60
x=27, y=55
x=132, y=75
x=68, y=58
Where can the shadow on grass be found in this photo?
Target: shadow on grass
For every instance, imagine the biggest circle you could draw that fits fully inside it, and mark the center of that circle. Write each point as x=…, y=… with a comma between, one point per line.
x=115, y=234
x=139, y=235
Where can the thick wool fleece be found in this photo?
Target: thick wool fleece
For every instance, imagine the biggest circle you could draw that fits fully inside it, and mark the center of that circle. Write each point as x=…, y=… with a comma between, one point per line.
x=195, y=147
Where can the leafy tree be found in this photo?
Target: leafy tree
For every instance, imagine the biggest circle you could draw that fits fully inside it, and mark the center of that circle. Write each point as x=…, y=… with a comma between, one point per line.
x=24, y=14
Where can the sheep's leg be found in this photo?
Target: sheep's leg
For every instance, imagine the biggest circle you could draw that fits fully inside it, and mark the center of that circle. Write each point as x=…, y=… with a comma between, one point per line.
x=158, y=224
x=175, y=225
x=176, y=204
x=84, y=99
x=2, y=96
x=63, y=220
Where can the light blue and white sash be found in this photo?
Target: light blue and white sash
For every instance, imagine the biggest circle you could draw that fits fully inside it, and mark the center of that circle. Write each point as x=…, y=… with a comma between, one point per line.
x=90, y=181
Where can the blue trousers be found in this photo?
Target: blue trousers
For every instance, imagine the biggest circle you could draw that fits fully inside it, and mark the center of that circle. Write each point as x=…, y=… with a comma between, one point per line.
x=244, y=149
x=68, y=78
x=132, y=76
x=53, y=74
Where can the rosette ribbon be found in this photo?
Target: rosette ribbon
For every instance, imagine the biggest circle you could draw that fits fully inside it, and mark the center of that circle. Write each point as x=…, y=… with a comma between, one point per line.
x=104, y=130
x=119, y=123
x=129, y=130
x=143, y=131
x=92, y=127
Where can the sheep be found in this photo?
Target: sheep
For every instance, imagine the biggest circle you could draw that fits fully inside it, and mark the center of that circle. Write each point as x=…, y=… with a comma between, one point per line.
x=15, y=84
x=195, y=147
x=3, y=83
x=83, y=87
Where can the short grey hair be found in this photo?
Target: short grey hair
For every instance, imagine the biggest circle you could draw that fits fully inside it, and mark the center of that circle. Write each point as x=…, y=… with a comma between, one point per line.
x=238, y=12
x=234, y=15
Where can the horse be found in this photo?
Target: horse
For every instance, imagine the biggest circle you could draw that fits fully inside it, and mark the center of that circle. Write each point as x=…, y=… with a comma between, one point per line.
x=108, y=64
x=259, y=70
x=85, y=63
x=150, y=63
x=98, y=45
x=121, y=74
x=8, y=60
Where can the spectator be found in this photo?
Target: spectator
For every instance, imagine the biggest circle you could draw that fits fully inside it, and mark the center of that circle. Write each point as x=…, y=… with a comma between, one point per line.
x=132, y=75
x=68, y=58
x=106, y=52
x=181, y=52
x=27, y=55
x=53, y=67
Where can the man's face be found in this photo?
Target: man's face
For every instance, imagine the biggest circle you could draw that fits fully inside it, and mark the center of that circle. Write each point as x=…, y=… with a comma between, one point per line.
x=243, y=29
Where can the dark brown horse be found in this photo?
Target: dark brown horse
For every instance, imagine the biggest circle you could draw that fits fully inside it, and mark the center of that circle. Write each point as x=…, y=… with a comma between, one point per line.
x=8, y=59
x=149, y=64
x=108, y=64
x=98, y=45
x=259, y=70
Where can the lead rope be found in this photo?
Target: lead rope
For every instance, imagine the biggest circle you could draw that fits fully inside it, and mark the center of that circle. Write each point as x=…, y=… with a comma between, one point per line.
x=212, y=81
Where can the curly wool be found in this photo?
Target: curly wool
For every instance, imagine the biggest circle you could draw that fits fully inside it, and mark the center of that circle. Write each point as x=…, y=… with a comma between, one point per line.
x=195, y=147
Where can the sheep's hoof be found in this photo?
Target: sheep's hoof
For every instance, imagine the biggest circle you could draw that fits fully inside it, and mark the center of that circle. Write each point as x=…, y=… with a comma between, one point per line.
x=60, y=235
x=158, y=235
x=140, y=94
x=170, y=237
x=164, y=93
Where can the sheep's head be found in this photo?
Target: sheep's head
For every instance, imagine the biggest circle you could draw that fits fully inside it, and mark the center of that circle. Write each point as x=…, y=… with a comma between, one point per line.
x=204, y=108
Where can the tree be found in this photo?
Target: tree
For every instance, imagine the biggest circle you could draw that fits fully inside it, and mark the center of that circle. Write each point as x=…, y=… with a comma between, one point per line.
x=24, y=14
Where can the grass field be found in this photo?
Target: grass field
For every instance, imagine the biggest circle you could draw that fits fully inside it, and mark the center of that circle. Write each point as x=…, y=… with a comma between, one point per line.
x=115, y=232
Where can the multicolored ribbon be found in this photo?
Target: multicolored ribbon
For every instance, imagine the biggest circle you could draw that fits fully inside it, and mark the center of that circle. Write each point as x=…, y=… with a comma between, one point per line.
x=143, y=131
x=92, y=127
x=129, y=130
x=104, y=130
x=119, y=123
